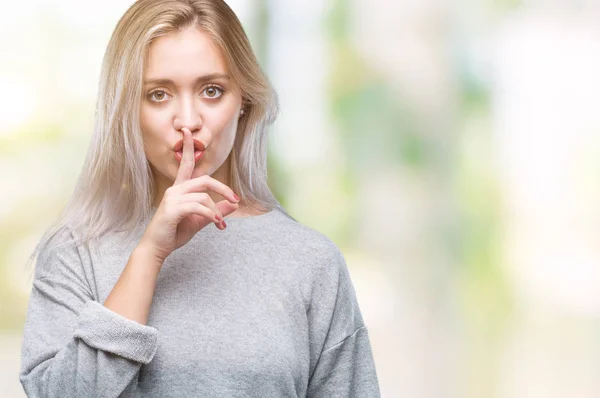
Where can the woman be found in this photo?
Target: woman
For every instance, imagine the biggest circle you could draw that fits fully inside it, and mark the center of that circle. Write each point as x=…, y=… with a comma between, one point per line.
x=173, y=271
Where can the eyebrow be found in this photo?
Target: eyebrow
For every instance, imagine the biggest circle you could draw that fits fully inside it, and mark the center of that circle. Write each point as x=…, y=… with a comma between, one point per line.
x=212, y=76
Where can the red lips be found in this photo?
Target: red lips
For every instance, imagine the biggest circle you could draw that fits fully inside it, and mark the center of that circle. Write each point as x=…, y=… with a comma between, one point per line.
x=198, y=155
x=198, y=146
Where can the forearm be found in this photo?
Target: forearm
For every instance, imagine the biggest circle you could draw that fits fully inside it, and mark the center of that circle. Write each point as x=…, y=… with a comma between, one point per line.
x=73, y=346
x=132, y=295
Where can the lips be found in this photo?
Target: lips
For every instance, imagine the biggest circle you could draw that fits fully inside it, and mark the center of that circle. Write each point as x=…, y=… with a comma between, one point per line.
x=198, y=155
x=198, y=146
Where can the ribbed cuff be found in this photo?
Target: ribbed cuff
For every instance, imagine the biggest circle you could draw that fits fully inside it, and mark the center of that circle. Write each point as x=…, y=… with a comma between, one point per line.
x=105, y=330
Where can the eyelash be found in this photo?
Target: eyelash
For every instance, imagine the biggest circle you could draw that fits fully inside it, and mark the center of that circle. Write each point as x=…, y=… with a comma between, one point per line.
x=158, y=90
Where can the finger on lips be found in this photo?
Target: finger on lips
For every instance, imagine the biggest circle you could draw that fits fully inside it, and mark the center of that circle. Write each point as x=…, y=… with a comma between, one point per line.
x=186, y=167
x=184, y=174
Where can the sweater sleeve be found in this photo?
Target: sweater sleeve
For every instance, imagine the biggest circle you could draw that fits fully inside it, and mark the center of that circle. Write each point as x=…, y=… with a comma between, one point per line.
x=72, y=345
x=342, y=363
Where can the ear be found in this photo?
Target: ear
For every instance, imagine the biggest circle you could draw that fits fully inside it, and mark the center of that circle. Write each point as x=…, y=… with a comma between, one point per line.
x=245, y=107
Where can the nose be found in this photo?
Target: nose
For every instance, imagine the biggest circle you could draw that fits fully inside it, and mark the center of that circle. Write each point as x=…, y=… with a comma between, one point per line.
x=188, y=115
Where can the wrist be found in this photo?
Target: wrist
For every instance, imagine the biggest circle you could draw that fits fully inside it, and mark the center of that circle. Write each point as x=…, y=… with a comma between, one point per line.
x=148, y=254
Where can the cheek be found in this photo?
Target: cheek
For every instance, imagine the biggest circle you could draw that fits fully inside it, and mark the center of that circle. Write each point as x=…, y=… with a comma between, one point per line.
x=225, y=118
x=231, y=127
x=227, y=135
x=151, y=124
x=227, y=125
x=148, y=118
x=150, y=127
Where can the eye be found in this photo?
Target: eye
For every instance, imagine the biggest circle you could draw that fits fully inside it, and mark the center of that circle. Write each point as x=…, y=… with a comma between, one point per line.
x=213, y=91
x=157, y=95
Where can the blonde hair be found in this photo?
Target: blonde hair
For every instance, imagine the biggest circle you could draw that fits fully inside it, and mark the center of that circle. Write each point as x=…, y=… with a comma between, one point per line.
x=115, y=189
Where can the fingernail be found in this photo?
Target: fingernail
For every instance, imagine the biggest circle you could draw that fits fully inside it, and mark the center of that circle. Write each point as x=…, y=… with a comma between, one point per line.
x=224, y=224
x=218, y=217
x=236, y=197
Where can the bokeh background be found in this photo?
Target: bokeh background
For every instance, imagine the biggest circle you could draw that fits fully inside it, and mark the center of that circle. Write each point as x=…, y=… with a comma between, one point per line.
x=450, y=149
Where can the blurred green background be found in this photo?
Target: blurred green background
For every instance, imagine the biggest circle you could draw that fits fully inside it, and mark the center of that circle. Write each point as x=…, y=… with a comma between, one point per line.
x=451, y=150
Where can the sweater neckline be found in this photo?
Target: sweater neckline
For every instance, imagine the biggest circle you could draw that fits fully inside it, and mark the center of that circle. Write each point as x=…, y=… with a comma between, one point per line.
x=254, y=217
x=235, y=219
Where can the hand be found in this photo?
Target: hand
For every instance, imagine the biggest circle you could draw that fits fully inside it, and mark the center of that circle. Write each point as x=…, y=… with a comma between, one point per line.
x=186, y=208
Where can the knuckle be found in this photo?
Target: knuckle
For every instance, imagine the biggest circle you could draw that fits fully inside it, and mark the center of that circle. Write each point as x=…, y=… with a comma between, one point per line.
x=205, y=181
x=204, y=197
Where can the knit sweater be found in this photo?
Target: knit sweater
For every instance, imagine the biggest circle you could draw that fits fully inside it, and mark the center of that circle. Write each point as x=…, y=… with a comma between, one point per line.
x=265, y=308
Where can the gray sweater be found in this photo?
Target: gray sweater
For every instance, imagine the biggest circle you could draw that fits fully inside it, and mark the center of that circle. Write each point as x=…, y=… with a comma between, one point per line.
x=265, y=308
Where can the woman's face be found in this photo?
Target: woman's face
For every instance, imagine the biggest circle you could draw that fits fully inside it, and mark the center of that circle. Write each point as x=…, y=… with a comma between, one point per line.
x=186, y=85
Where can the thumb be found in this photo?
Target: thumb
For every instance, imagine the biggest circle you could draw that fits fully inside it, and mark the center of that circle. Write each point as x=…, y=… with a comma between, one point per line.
x=226, y=207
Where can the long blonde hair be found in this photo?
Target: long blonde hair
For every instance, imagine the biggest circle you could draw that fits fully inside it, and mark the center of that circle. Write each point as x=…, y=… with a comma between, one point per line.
x=115, y=190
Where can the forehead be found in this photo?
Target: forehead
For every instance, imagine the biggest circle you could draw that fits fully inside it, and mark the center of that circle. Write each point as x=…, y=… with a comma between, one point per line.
x=184, y=54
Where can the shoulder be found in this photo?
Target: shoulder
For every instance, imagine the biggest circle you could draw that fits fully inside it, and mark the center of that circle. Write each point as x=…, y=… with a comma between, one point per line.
x=56, y=242
x=59, y=251
x=318, y=249
x=318, y=263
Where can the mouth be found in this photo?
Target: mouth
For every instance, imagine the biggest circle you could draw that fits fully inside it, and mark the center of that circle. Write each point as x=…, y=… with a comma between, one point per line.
x=199, y=150
x=198, y=155
x=198, y=146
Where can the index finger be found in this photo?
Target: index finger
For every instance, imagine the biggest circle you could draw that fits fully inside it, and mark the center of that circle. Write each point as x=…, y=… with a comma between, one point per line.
x=186, y=167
